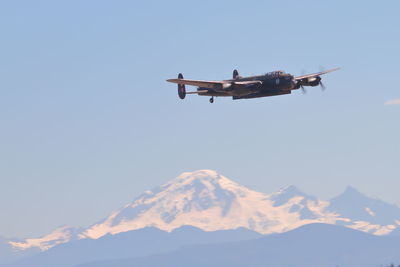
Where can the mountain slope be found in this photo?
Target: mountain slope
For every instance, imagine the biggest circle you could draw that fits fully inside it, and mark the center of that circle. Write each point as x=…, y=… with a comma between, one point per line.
x=8, y=253
x=308, y=246
x=58, y=236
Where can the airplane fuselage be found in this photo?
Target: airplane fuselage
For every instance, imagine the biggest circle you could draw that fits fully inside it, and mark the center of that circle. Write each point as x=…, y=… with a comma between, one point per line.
x=274, y=83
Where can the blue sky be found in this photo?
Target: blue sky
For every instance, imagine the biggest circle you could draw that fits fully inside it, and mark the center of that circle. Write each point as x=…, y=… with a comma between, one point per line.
x=88, y=121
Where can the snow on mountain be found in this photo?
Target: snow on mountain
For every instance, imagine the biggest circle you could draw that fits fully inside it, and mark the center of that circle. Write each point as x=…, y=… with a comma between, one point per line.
x=210, y=201
x=60, y=235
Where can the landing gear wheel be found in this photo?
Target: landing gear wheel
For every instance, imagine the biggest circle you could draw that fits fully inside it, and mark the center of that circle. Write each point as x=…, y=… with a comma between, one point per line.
x=212, y=100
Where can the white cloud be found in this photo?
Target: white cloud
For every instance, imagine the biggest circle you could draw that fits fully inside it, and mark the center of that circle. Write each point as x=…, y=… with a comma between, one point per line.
x=393, y=102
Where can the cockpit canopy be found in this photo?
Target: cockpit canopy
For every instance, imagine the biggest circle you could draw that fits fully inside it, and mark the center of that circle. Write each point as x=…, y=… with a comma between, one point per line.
x=277, y=73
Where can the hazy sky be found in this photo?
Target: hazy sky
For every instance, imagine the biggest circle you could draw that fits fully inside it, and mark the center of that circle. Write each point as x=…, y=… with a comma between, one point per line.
x=88, y=121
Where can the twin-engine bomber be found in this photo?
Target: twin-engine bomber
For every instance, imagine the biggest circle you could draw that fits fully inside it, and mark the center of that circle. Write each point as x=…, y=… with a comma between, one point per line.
x=269, y=84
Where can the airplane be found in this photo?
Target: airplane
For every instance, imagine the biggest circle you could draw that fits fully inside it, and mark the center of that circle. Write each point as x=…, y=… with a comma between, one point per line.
x=269, y=84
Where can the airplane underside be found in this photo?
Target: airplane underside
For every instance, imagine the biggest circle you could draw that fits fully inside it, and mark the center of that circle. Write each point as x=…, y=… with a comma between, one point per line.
x=244, y=95
x=261, y=94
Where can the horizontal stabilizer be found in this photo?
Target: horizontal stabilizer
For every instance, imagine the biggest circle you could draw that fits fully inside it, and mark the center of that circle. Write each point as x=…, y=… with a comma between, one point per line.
x=197, y=92
x=199, y=83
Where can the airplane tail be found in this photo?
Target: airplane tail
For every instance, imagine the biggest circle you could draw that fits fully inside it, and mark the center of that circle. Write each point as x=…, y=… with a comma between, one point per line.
x=181, y=88
x=235, y=74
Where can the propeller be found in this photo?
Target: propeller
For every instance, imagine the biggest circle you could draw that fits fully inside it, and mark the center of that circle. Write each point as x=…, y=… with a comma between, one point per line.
x=323, y=88
x=303, y=90
x=321, y=69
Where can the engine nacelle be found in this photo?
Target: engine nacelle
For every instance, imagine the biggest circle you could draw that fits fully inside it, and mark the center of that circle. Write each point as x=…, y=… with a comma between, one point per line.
x=312, y=81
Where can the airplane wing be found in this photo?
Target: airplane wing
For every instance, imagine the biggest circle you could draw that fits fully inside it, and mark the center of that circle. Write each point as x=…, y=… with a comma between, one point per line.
x=214, y=84
x=248, y=83
x=315, y=74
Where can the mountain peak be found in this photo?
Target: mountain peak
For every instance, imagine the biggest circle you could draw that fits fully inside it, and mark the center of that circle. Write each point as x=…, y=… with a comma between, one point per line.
x=200, y=175
x=203, y=182
x=290, y=189
x=286, y=193
x=350, y=195
x=350, y=190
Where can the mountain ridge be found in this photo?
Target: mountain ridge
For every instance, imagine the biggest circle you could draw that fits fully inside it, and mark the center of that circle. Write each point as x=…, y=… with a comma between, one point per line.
x=310, y=245
x=135, y=243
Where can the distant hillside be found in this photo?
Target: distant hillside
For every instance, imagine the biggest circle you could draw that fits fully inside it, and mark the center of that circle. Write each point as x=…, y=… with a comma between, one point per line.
x=136, y=243
x=313, y=245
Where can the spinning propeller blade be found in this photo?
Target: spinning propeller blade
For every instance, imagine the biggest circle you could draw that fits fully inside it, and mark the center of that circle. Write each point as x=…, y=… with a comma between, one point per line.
x=322, y=86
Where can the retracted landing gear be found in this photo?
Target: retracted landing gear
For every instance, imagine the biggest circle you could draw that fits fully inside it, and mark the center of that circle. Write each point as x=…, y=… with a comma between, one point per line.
x=212, y=100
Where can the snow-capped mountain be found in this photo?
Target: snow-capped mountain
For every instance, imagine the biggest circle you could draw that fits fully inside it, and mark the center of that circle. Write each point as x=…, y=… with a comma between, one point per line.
x=209, y=201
